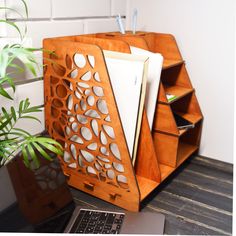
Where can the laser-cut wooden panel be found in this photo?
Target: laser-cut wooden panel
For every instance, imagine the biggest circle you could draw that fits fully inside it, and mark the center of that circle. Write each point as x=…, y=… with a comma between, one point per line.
x=81, y=114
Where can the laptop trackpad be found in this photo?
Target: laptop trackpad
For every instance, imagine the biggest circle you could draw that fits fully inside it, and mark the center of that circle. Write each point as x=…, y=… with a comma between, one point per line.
x=143, y=223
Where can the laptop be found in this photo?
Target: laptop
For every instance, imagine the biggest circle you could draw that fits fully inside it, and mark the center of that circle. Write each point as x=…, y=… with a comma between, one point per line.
x=100, y=221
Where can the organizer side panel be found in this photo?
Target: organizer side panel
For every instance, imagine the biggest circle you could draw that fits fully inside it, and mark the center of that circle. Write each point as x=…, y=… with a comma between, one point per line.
x=164, y=120
x=167, y=46
x=166, y=148
x=81, y=113
x=105, y=44
x=146, y=164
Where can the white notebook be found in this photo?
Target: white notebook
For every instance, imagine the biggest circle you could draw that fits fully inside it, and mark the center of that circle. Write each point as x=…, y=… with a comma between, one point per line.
x=128, y=79
x=153, y=79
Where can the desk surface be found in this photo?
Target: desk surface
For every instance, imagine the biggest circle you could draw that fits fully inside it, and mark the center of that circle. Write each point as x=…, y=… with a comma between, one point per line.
x=196, y=199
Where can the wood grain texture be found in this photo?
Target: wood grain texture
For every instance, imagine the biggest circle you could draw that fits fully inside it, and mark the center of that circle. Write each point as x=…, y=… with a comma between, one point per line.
x=194, y=201
x=168, y=146
x=66, y=96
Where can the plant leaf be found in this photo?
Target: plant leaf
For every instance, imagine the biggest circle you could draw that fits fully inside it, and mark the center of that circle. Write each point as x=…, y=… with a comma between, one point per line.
x=42, y=152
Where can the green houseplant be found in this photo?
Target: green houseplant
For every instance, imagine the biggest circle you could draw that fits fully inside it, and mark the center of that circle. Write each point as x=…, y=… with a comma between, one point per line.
x=15, y=140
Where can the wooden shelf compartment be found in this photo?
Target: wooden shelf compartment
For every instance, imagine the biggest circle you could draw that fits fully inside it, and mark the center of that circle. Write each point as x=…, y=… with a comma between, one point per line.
x=172, y=150
x=164, y=121
x=168, y=63
x=188, y=108
x=146, y=186
x=176, y=76
x=184, y=151
x=176, y=90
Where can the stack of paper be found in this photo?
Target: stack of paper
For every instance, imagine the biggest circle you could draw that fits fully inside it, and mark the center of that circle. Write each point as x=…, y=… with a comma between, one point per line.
x=128, y=79
x=153, y=79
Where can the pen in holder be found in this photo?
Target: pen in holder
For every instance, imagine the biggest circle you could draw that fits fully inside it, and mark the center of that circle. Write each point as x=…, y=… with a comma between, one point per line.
x=120, y=24
x=134, y=20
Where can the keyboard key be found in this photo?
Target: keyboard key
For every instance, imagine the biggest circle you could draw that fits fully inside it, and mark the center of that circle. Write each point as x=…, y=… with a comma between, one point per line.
x=108, y=227
x=118, y=227
x=118, y=221
x=111, y=218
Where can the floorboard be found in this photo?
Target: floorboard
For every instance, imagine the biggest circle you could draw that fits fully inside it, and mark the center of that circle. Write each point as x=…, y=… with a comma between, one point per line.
x=196, y=199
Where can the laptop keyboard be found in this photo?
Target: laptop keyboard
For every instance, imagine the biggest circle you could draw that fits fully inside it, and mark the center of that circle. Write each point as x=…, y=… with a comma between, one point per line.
x=98, y=222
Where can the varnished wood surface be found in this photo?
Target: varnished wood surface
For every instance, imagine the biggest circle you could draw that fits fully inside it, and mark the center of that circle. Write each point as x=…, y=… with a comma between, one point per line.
x=196, y=199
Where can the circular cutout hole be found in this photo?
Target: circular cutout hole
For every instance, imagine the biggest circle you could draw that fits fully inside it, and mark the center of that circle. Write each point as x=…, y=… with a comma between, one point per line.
x=75, y=138
x=103, y=159
x=57, y=127
x=87, y=92
x=110, y=174
x=72, y=165
x=98, y=91
x=71, y=119
x=97, y=166
x=79, y=60
x=80, y=161
x=86, y=133
x=91, y=60
x=87, y=156
x=61, y=91
x=91, y=171
x=102, y=106
x=92, y=146
x=74, y=127
x=67, y=157
x=122, y=181
x=58, y=69
x=115, y=150
x=94, y=125
x=54, y=112
x=73, y=74
x=103, y=138
x=83, y=105
x=78, y=95
x=86, y=76
x=83, y=85
x=97, y=77
x=54, y=80
x=102, y=176
x=76, y=107
x=118, y=167
x=82, y=119
x=104, y=151
x=68, y=131
x=92, y=113
x=109, y=131
x=62, y=120
x=73, y=151
x=69, y=63
x=57, y=103
x=107, y=166
x=70, y=102
x=91, y=100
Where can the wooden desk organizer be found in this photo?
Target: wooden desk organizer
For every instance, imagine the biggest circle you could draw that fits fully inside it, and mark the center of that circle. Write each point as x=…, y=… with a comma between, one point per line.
x=96, y=157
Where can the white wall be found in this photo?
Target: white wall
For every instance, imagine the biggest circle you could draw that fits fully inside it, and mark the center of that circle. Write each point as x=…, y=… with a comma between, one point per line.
x=49, y=18
x=205, y=33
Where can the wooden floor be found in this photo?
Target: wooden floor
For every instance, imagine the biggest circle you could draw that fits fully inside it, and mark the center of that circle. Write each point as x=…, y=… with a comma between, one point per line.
x=196, y=199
